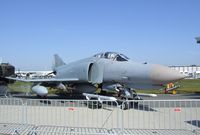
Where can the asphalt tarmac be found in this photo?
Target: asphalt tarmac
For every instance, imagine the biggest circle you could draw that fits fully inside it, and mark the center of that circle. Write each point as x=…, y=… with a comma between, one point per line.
x=81, y=97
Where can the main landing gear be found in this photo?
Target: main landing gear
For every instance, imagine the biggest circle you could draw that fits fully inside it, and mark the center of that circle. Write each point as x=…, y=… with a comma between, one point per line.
x=126, y=94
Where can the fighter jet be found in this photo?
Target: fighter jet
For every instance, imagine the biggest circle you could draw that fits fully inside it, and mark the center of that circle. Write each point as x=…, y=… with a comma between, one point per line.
x=105, y=71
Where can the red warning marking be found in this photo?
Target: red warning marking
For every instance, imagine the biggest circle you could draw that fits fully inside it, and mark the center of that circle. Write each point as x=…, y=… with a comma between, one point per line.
x=71, y=109
x=177, y=109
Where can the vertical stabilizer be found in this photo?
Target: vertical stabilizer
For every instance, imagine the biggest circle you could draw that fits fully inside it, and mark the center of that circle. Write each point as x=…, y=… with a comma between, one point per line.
x=57, y=61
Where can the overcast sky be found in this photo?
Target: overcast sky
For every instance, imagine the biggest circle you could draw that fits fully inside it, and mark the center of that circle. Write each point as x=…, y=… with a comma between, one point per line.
x=156, y=31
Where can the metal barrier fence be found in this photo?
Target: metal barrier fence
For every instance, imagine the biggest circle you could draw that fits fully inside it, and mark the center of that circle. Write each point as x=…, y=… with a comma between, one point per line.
x=31, y=116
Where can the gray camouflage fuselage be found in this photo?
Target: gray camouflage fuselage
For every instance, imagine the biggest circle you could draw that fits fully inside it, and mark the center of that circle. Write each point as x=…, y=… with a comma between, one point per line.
x=100, y=69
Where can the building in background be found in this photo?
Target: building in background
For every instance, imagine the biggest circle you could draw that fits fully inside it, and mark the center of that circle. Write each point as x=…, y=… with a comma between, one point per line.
x=193, y=71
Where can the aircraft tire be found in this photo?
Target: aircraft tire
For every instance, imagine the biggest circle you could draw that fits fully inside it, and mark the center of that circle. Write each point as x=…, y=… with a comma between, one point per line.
x=94, y=105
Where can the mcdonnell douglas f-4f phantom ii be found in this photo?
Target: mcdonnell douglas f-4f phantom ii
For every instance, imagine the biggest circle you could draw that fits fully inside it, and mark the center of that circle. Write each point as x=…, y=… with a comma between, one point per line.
x=105, y=71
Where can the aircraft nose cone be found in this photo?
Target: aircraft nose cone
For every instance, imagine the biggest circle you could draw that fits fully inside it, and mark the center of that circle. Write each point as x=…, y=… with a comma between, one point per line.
x=161, y=74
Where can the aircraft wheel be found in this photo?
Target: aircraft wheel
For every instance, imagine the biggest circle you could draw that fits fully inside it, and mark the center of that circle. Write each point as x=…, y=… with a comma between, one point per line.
x=41, y=97
x=94, y=104
x=136, y=104
x=124, y=106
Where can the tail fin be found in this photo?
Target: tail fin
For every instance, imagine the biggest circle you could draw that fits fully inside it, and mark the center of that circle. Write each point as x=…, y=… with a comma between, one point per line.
x=57, y=62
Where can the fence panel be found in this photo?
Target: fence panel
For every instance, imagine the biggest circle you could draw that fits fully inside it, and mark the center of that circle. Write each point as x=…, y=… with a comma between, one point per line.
x=72, y=113
x=82, y=116
x=11, y=110
x=161, y=114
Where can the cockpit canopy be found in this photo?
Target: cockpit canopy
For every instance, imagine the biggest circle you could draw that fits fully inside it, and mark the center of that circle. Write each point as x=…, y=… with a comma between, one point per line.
x=112, y=56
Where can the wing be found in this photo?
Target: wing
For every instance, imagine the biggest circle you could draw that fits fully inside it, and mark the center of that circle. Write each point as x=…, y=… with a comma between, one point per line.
x=44, y=80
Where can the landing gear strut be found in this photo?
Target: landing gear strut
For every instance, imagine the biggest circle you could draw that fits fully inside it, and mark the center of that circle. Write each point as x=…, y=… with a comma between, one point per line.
x=127, y=94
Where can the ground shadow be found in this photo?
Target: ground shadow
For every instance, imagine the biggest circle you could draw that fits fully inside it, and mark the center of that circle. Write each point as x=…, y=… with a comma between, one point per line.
x=194, y=123
x=142, y=107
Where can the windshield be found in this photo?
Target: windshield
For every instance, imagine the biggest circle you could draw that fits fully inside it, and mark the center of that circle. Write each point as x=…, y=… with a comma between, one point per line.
x=112, y=56
x=121, y=57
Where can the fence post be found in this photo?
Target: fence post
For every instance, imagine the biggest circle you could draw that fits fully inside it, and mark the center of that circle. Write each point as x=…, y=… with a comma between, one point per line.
x=24, y=112
x=121, y=118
